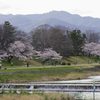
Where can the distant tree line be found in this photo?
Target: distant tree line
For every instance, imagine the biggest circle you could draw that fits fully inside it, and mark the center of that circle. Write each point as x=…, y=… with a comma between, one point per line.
x=61, y=39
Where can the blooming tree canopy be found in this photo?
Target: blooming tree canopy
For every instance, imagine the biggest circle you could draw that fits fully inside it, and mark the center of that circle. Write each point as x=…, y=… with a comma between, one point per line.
x=19, y=50
x=48, y=53
x=92, y=48
x=14, y=43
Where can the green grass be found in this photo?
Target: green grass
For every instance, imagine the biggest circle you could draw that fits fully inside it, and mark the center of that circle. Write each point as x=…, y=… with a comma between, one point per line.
x=35, y=65
x=44, y=68
x=80, y=59
x=27, y=76
x=36, y=62
x=17, y=63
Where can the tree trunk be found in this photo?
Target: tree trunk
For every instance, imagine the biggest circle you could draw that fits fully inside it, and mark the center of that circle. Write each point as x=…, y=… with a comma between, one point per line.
x=89, y=55
x=9, y=58
x=97, y=57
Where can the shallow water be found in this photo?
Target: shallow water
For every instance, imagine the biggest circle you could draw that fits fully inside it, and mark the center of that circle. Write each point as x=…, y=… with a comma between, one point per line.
x=90, y=80
x=80, y=95
x=85, y=95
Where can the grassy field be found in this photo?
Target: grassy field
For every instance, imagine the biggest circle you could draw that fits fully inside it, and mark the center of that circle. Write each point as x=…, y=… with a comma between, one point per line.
x=80, y=59
x=18, y=63
x=37, y=63
x=20, y=73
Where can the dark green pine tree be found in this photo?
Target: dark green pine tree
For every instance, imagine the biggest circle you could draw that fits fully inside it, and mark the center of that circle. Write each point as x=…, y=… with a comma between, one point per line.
x=78, y=40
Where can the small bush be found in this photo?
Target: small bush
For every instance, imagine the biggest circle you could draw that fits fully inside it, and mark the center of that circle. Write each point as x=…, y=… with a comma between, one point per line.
x=3, y=90
x=46, y=97
x=22, y=91
x=41, y=92
x=62, y=97
x=10, y=90
x=68, y=98
x=68, y=63
x=15, y=91
x=63, y=63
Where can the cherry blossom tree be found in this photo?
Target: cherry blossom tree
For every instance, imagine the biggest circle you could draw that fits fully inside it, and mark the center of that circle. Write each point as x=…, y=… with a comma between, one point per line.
x=92, y=49
x=14, y=43
x=89, y=48
x=48, y=53
x=19, y=50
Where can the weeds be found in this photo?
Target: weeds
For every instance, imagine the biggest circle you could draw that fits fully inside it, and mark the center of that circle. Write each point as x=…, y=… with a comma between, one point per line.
x=20, y=91
x=68, y=98
x=46, y=97
x=2, y=91
x=15, y=91
x=41, y=92
x=38, y=92
x=55, y=99
x=10, y=90
x=62, y=97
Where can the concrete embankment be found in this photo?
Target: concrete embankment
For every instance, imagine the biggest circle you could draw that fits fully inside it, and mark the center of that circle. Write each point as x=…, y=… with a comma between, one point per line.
x=52, y=87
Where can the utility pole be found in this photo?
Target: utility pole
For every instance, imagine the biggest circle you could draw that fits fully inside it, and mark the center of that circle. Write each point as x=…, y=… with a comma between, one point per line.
x=94, y=90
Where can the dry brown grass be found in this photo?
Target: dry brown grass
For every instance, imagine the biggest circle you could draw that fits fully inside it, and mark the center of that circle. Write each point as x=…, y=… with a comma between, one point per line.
x=84, y=75
x=49, y=96
x=70, y=76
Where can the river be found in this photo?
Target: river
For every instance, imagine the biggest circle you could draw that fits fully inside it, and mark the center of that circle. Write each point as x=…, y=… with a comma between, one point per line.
x=85, y=89
x=80, y=95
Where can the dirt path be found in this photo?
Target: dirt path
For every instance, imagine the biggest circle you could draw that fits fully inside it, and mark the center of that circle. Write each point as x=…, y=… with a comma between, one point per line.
x=31, y=66
x=52, y=71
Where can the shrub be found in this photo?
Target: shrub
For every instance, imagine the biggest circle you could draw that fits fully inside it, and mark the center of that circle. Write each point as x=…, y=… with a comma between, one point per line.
x=62, y=97
x=68, y=98
x=46, y=97
x=63, y=63
x=41, y=92
x=10, y=90
x=15, y=91
x=68, y=63
x=3, y=90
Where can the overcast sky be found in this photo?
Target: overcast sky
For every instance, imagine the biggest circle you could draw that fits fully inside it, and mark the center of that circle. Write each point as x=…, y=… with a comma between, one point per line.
x=81, y=7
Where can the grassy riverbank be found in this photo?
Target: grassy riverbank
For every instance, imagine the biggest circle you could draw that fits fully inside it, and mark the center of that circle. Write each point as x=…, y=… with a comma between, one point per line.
x=47, y=74
x=36, y=62
x=19, y=73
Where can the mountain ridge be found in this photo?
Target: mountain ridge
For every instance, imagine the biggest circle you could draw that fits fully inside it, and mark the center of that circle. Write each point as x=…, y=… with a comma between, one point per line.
x=31, y=21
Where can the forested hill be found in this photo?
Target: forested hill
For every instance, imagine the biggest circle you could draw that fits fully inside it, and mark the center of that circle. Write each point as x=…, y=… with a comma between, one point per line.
x=28, y=22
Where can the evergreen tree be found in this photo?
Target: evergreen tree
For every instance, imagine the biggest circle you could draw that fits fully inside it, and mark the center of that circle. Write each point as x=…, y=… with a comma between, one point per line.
x=78, y=40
